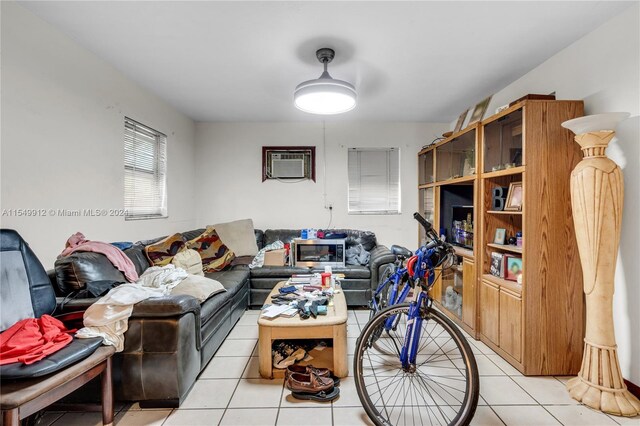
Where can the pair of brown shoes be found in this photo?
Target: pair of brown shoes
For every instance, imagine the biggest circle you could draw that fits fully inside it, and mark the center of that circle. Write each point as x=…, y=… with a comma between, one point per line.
x=308, y=382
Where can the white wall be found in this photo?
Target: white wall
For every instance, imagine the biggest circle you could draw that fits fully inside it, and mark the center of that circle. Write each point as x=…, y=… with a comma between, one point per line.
x=63, y=114
x=603, y=68
x=229, y=171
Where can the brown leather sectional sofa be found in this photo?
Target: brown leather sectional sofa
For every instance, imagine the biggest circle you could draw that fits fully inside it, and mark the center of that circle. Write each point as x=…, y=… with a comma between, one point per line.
x=170, y=340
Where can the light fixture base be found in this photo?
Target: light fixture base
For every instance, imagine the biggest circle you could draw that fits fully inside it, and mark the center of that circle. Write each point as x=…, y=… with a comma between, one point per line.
x=325, y=55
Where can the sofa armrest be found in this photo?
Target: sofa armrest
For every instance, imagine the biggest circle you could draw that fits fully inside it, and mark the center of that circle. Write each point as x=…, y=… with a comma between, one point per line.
x=381, y=256
x=64, y=306
x=157, y=307
x=166, y=306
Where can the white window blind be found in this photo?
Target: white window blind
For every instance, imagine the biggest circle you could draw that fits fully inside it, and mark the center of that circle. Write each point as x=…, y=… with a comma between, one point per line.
x=145, y=171
x=374, y=180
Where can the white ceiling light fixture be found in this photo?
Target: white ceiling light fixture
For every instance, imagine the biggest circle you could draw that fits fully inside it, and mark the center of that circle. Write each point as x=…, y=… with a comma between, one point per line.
x=325, y=95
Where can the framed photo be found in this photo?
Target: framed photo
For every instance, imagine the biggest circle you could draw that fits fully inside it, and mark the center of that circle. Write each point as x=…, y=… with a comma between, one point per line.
x=514, y=197
x=514, y=269
x=461, y=121
x=479, y=110
x=500, y=236
x=497, y=261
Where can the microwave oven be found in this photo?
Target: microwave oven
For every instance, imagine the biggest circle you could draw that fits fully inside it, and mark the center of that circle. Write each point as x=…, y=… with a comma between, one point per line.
x=315, y=253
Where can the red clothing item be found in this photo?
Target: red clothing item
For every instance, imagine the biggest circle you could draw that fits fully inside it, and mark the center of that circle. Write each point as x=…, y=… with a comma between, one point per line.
x=32, y=339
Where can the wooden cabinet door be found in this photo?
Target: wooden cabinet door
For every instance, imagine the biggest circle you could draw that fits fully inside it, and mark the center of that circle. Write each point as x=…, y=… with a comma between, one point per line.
x=489, y=311
x=469, y=293
x=511, y=324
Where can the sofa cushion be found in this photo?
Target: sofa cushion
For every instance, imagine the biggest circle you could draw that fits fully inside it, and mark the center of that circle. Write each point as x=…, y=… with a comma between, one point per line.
x=138, y=257
x=239, y=236
x=214, y=253
x=199, y=287
x=278, y=271
x=284, y=235
x=161, y=252
x=73, y=272
x=190, y=235
x=259, y=238
x=233, y=281
x=350, y=271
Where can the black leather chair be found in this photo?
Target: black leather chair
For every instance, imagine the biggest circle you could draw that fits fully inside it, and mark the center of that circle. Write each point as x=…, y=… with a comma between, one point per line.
x=26, y=292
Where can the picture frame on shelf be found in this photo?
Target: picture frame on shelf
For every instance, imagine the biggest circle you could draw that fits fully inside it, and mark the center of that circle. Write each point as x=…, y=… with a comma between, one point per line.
x=514, y=269
x=497, y=262
x=479, y=110
x=514, y=197
x=500, y=236
x=460, y=121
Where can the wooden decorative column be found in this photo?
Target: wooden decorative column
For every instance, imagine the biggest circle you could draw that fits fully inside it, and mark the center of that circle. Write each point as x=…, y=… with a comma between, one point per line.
x=597, y=193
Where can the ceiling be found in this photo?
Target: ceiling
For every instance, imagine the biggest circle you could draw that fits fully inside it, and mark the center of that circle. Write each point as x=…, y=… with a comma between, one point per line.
x=240, y=61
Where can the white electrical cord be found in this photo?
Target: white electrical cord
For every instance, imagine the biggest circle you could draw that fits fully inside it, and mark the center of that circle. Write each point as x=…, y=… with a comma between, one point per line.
x=324, y=172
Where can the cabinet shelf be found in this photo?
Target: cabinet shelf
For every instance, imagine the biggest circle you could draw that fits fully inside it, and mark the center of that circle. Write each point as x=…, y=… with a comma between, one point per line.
x=509, y=285
x=506, y=247
x=504, y=212
x=505, y=172
x=464, y=252
x=461, y=179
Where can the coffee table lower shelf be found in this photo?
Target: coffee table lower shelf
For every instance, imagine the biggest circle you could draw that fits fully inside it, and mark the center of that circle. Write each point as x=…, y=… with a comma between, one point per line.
x=334, y=358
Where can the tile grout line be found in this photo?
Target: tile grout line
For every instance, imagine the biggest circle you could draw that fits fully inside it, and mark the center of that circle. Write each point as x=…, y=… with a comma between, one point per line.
x=237, y=384
x=551, y=414
x=496, y=413
x=279, y=404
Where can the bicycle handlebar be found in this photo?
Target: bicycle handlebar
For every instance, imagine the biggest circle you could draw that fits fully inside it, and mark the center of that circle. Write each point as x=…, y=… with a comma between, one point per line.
x=435, y=240
x=425, y=224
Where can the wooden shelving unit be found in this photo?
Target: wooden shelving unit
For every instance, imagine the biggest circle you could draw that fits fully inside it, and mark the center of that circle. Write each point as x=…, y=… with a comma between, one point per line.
x=451, y=165
x=536, y=325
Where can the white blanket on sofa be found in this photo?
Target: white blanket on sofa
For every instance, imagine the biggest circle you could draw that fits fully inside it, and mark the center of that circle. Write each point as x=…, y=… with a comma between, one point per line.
x=109, y=316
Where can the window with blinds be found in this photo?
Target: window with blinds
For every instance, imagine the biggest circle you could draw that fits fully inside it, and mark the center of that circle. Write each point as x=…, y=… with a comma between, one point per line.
x=145, y=171
x=374, y=180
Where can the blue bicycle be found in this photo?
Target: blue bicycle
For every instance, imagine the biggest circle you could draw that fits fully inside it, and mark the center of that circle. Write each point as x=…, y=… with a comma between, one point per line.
x=412, y=365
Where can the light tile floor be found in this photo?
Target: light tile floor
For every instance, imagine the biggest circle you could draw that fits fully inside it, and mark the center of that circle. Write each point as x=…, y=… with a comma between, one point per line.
x=231, y=392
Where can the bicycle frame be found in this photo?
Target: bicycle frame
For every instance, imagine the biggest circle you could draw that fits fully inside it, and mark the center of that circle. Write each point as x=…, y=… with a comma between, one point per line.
x=424, y=269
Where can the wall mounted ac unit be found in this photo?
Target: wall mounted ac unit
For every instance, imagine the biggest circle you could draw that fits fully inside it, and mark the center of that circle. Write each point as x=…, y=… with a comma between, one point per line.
x=286, y=168
x=289, y=162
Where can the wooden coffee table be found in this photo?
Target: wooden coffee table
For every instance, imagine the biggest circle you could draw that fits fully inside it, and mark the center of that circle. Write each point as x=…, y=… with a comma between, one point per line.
x=330, y=326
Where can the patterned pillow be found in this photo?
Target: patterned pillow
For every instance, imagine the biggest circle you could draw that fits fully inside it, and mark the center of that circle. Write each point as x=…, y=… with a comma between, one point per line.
x=215, y=255
x=161, y=253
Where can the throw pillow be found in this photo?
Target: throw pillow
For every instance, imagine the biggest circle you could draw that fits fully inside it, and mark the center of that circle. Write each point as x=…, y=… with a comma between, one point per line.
x=161, y=252
x=239, y=236
x=215, y=255
x=199, y=287
x=190, y=261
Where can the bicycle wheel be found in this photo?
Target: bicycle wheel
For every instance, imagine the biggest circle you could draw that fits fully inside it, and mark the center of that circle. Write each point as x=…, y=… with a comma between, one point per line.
x=382, y=298
x=442, y=388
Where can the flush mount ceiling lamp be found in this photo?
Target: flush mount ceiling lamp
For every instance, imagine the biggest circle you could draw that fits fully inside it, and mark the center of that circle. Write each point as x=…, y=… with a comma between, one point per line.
x=325, y=95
